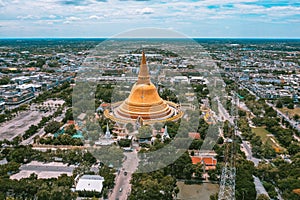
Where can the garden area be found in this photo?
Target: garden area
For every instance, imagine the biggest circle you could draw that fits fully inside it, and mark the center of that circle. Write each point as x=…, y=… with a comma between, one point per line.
x=268, y=138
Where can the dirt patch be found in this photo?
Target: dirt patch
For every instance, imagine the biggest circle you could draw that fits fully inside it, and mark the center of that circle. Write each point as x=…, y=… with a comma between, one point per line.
x=196, y=192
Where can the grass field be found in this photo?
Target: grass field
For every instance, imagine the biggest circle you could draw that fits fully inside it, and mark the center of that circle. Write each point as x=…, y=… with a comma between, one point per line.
x=291, y=112
x=266, y=137
x=262, y=132
x=196, y=192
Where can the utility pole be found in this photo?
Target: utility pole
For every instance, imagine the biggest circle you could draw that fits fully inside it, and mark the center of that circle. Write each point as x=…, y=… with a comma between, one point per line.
x=227, y=183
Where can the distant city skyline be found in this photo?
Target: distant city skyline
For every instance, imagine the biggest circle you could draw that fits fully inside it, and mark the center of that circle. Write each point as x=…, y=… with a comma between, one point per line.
x=106, y=18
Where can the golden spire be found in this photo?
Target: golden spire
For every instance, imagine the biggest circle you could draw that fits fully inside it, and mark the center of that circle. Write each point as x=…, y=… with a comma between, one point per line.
x=143, y=61
x=144, y=77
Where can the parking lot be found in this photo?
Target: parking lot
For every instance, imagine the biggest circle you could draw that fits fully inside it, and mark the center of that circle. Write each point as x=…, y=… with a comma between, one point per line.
x=18, y=125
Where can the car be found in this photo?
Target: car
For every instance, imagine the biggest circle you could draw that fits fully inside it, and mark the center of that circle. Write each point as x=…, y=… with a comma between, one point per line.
x=125, y=173
x=120, y=190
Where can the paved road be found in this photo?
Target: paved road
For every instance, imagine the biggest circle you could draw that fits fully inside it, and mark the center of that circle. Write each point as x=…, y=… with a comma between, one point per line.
x=279, y=113
x=122, y=180
x=224, y=113
x=245, y=145
x=259, y=187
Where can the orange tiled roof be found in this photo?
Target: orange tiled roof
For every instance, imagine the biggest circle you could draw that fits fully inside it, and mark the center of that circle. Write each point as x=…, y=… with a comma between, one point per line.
x=209, y=161
x=194, y=135
x=71, y=122
x=195, y=160
x=104, y=104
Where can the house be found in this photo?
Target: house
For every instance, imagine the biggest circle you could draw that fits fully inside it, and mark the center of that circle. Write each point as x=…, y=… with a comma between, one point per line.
x=90, y=183
x=208, y=161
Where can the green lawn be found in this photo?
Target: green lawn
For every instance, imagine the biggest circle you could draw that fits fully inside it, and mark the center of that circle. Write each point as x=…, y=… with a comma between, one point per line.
x=262, y=132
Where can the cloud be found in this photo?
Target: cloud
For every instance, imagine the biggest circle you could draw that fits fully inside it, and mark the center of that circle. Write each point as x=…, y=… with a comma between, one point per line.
x=73, y=2
x=95, y=17
x=2, y=3
x=135, y=0
x=72, y=18
x=118, y=15
x=48, y=22
x=28, y=17
x=145, y=11
x=52, y=16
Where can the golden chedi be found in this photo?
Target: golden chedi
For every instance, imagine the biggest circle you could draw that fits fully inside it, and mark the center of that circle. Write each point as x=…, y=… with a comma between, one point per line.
x=144, y=103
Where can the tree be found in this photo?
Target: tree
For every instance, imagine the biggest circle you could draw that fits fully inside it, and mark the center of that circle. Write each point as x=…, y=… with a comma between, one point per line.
x=279, y=104
x=129, y=127
x=227, y=129
x=157, y=126
x=89, y=158
x=124, y=142
x=5, y=80
x=108, y=175
x=290, y=106
x=145, y=132
x=262, y=197
x=169, y=95
x=286, y=100
x=268, y=151
x=296, y=117
x=293, y=148
x=52, y=127
x=31, y=131
x=198, y=168
x=241, y=113
x=70, y=130
x=68, y=115
x=245, y=188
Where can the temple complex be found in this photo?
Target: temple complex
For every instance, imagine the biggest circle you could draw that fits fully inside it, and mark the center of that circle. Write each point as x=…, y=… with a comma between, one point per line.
x=143, y=105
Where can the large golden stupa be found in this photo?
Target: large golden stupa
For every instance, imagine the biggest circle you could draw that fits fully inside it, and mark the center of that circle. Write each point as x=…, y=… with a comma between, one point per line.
x=144, y=105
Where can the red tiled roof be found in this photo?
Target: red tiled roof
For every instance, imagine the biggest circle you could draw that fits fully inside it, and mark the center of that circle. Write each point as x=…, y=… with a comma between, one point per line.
x=195, y=160
x=71, y=122
x=209, y=161
x=194, y=135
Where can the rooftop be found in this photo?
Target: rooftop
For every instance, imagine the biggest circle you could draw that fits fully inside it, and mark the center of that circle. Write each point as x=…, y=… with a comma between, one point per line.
x=90, y=183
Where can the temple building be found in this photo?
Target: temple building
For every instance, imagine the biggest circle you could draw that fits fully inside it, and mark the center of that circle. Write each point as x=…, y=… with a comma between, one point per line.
x=143, y=105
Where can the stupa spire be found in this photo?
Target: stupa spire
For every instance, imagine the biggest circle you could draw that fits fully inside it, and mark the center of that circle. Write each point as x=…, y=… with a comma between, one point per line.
x=107, y=133
x=144, y=77
x=143, y=61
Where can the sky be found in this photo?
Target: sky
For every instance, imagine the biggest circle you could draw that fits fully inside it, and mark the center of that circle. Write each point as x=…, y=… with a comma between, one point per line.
x=106, y=18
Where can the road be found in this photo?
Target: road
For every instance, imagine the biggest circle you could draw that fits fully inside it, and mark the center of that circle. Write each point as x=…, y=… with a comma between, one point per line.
x=245, y=147
x=259, y=187
x=224, y=113
x=122, y=180
x=280, y=114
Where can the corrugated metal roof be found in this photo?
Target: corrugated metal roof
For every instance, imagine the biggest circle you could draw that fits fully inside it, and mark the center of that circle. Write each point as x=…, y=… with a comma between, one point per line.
x=90, y=183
